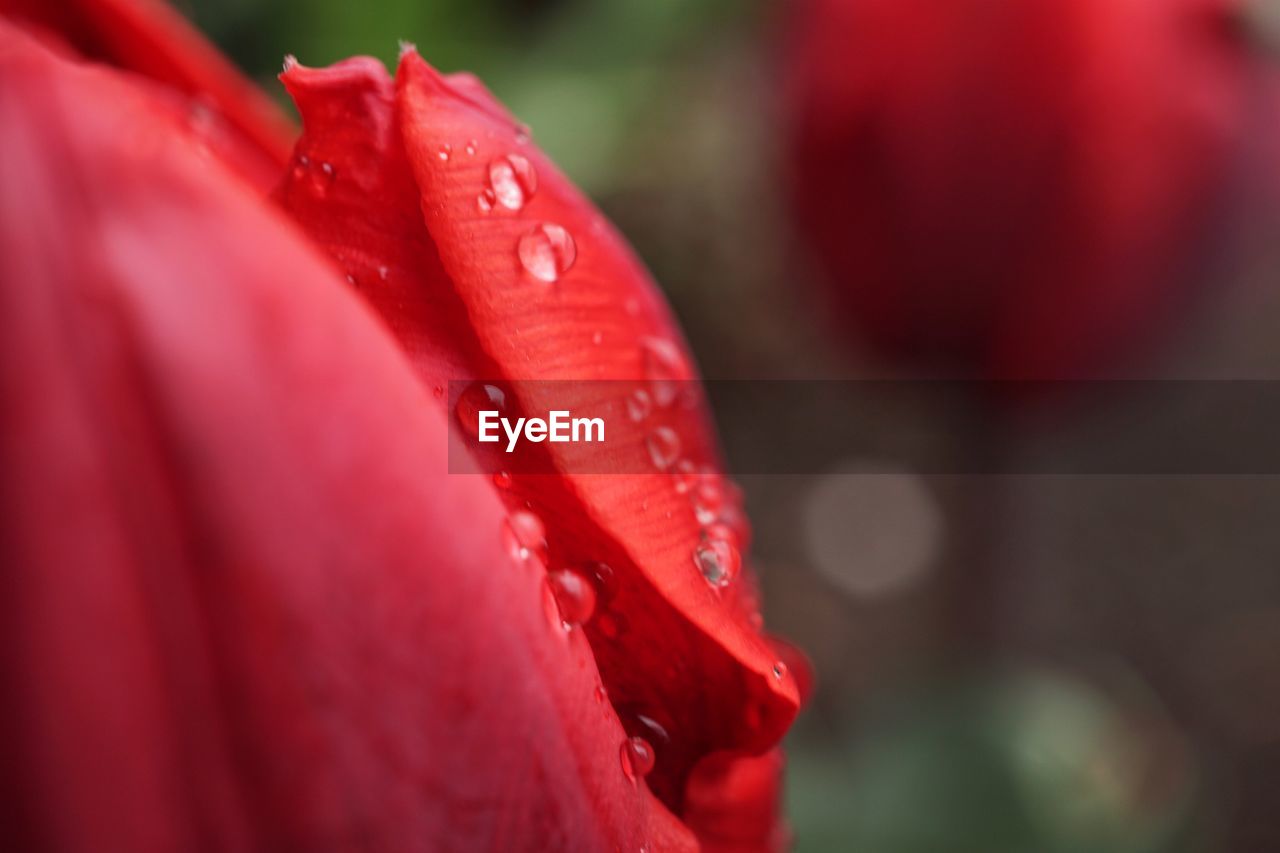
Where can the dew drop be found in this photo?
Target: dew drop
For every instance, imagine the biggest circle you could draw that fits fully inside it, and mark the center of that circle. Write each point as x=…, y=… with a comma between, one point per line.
x=718, y=561
x=301, y=166
x=575, y=595
x=383, y=272
x=601, y=693
x=476, y=398
x=502, y=480
x=484, y=201
x=547, y=251
x=639, y=405
x=351, y=279
x=524, y=536
x=471, y=148
x=444, y=151
x=664, y=447
x=637, y=758
x=685, y=475
x=665, y=369
x=779, y=670
x=513, y=180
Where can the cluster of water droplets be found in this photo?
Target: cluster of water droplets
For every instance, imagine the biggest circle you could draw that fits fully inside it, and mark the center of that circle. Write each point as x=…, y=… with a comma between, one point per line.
x=714, y=501
x=316, y=177
x=547, y=250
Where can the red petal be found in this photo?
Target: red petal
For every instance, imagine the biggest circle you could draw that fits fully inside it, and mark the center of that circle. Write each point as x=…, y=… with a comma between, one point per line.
x=683, y=664
x=151, y=38
x=734, y=803
x=246, y=608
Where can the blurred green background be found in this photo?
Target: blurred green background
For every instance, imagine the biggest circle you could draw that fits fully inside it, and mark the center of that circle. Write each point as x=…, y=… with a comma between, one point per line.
x=1127, y=699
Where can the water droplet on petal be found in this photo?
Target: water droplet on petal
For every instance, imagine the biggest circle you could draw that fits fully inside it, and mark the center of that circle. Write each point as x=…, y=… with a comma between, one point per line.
x=476, y=398
x=502, y=480
x=484, y=201
x=444, y=151
x=685, y=475
x=513, y=180
x=779, y=670
x=665, y=369
x=718, y=561
x=471, y=148
x=547, y=252
x=524, y=536
x=383, y=272
x=639, y=405
x=601, y=693
x=575, y=595
x=664, y=447
x=637, y=758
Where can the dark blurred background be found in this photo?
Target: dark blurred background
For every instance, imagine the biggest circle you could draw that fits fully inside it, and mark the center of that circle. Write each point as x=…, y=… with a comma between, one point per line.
x=1004, y=663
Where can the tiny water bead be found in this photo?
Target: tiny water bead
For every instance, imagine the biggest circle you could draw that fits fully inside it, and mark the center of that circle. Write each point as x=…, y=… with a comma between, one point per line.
x=484, y=201
x=478, y=397
x=471, y=148
x=547, y=252
x=444, y=151
x=575, y=595
x=637, y=758
x=685, y=475
x=664, y=368
x=524, y=535
x=718, y=561
x=779, y=670
x=513, y=180
x=502, y=480
x=639, y=405
x=383, y=272
x=664, y=447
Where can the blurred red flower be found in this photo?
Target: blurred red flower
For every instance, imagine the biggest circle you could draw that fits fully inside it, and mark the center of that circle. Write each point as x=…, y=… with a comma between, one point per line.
x=247, y=606
x=1011, y=189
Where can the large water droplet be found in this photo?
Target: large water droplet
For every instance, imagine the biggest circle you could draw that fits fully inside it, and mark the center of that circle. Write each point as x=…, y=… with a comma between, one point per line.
x=478, y=397
x=664, y=447
x=575, y=594
x=513, y=180
x=547, y=251
x=637, y=758
x=718, y=561
x=524, y=536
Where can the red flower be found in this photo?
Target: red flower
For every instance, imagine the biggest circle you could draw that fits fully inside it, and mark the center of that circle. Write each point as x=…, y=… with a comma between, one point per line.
x=1016, y=189
x=248, y=607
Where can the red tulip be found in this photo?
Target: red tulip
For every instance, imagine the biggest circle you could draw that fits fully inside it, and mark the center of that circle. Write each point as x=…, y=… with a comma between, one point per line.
x=1013, y=189
x=248, y=606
